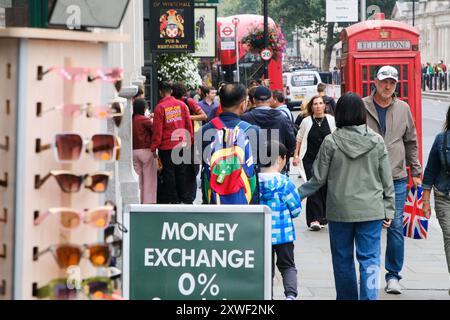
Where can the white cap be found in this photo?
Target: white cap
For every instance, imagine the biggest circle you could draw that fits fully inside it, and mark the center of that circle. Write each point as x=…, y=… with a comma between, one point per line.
x=387, y=72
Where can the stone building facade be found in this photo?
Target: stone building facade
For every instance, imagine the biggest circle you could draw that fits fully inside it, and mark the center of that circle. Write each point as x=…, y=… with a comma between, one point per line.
x=432, y=19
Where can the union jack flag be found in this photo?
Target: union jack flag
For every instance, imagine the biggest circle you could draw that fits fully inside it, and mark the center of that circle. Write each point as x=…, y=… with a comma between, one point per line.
x=415, y=224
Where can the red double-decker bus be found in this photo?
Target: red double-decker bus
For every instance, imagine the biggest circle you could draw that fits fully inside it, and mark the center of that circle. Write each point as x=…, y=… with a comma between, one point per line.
x=251, y=65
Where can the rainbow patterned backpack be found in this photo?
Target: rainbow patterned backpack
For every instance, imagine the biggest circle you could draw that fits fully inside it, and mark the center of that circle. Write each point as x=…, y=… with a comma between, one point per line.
x=229, y=176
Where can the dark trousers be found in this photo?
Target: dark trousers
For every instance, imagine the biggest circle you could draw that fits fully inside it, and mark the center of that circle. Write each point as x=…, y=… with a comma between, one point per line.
x=192, y=171
x=172, y=185
x=316, y=205
x=284, y=254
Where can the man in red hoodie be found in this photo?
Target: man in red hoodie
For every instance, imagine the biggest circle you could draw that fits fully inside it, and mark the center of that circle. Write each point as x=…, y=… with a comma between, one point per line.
x=172, y=134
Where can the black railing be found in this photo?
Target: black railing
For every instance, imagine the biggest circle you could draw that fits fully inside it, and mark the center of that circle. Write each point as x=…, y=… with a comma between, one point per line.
x=436, y=82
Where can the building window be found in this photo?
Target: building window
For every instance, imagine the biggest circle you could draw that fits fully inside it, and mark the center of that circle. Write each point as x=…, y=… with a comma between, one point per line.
x=23, y=13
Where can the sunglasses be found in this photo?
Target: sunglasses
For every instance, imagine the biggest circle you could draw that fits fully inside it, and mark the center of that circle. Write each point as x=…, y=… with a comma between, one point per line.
x=111, y=75
x=4, y=218
x=112, y=111
x=389, y=74
x=68, y=74
x=70, y=219
x=68, y=147
x=67, y=255
x=63, y=289
x=4, y=183
x=6, y=145
x=71, y=183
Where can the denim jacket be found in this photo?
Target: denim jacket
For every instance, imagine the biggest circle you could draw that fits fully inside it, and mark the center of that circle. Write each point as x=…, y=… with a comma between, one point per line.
x=435, y=173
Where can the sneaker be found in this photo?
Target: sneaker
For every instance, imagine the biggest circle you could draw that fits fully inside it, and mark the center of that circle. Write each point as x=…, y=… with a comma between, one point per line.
x=315, y=226
x=290, y=298
x=393, y=287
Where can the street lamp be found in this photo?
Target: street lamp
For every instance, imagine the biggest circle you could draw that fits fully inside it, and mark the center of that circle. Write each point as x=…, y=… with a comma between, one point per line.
x=363, y=10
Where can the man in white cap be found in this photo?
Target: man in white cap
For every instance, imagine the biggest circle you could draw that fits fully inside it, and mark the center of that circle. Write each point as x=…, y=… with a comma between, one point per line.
x=392, y=118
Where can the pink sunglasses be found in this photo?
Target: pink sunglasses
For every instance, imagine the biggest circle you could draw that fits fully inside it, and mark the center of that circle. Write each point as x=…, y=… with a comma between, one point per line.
x=112, y=75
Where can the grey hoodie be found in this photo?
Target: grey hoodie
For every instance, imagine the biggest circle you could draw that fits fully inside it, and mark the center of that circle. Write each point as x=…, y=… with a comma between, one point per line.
x=354, y=162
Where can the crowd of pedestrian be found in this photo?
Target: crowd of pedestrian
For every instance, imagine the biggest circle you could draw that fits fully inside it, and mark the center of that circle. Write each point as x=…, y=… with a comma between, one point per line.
x=353, y=158
x=430, y=69
x=435, y=76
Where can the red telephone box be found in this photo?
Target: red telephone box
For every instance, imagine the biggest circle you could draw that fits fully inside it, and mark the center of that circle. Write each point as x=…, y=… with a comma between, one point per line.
x=369, y=45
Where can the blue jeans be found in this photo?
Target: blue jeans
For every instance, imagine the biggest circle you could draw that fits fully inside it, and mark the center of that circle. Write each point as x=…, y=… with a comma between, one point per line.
x=395, y=248
x=366, y=236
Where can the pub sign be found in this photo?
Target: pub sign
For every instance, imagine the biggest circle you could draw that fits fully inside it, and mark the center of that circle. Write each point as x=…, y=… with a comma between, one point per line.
x=173, y=23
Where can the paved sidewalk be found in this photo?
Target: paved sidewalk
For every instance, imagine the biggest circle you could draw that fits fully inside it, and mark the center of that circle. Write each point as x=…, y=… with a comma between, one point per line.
x=436, y=95
x=425, y=274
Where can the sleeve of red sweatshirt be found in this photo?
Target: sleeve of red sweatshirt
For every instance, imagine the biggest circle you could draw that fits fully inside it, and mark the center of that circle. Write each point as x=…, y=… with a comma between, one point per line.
x=158, y=123
x=194, y=106
x=188, y=122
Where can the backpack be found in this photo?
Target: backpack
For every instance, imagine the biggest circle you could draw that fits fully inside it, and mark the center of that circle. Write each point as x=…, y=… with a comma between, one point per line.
x=290, y=118
x=330, y=106
x=229, y=175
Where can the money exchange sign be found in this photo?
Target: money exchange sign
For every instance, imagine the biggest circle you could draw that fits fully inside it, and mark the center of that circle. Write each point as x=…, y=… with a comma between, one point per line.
x=198, y=252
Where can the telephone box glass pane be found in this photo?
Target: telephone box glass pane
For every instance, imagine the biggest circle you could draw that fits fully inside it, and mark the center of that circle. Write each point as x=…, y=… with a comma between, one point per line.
x=373, y=72
x=368, y=76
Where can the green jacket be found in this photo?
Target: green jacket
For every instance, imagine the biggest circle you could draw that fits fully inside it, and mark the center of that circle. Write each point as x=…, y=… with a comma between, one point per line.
x=354, y=162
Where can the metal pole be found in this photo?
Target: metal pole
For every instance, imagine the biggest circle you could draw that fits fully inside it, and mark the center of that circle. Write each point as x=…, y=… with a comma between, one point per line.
x=363, y=10
x=298, y=43
x=266, y=37
x=237, y=54
x=414, y=13
x=320, y=48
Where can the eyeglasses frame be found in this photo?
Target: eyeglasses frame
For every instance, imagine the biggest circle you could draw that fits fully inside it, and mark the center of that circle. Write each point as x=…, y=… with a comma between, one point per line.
x=87, y=145
x=83, y=252
x=38, y=182
x=82, y=215
x=48, y=290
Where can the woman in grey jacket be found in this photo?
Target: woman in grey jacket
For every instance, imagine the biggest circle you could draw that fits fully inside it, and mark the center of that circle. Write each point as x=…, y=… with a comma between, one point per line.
x=354, y=162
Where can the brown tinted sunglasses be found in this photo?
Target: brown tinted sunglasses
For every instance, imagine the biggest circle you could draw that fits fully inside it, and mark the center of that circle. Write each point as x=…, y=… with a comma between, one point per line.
x=67, y=255
x=70, y=182
x=69, y=147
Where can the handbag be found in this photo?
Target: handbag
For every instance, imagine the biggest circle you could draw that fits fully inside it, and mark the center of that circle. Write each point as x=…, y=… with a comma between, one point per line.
x=415, y=224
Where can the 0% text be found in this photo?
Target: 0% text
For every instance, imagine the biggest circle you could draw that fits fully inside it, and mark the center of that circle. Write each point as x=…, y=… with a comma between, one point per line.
x=187, y=284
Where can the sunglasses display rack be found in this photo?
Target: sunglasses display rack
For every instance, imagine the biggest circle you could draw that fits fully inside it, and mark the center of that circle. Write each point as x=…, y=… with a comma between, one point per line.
x=8, y=96
x=39, y=70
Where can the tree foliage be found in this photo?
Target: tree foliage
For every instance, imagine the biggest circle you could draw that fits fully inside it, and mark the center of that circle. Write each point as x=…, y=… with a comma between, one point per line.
x=308, y=15
x=232, y=7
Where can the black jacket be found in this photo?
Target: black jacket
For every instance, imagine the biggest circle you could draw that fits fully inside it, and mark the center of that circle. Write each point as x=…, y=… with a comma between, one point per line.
x=273, y=120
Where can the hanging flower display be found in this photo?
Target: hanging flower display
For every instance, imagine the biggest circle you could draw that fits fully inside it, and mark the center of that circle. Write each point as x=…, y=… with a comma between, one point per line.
x=254, y=41
x=179, y=68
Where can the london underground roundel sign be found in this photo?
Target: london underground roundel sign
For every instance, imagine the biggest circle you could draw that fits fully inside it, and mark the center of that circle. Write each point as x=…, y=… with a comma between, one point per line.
x=227, y=32
x=266, y=55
